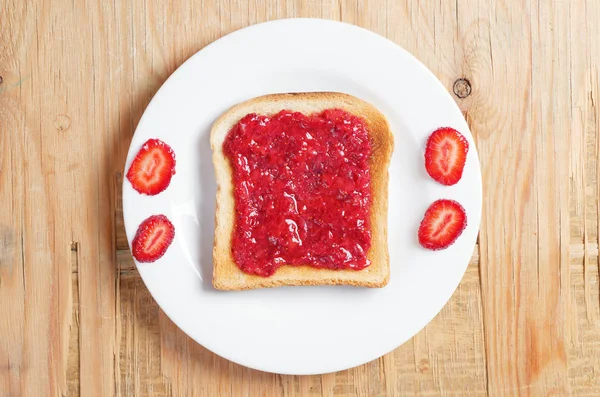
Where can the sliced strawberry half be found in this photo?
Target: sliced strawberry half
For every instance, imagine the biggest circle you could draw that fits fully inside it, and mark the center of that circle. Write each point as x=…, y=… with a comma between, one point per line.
x=152, y=168
x=444, y=221
x=153, y=238
x=445, y=155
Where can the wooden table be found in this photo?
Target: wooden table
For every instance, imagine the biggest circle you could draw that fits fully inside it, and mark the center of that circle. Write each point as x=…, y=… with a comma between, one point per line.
x=75, y=317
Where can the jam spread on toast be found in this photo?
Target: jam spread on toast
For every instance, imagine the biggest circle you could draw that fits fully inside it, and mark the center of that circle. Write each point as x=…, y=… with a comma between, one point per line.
x=302, y=191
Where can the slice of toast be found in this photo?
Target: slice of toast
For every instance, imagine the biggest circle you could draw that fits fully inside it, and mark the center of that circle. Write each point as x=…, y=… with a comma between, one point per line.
x=226, y=274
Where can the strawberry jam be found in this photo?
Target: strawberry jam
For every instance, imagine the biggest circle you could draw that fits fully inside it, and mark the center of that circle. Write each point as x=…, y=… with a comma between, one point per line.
x=302, y=191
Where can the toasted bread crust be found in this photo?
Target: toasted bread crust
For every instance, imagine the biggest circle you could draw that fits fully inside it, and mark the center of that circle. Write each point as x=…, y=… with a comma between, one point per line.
x=226, y=274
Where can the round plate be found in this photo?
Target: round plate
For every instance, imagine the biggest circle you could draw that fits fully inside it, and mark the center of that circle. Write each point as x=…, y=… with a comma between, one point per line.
x=302, y=330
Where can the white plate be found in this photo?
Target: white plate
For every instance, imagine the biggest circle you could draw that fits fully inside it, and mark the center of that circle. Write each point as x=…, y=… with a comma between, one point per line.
x=302, y=330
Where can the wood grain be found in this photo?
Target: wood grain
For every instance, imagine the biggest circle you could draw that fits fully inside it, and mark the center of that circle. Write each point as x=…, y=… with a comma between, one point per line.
x=75, y=317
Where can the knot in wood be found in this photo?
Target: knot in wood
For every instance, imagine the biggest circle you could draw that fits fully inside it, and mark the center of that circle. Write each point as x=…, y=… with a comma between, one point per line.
x=62, y=123
x=462, y=88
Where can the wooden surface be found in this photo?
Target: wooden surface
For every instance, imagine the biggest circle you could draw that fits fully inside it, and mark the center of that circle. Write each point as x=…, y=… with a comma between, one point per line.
x=75, y=317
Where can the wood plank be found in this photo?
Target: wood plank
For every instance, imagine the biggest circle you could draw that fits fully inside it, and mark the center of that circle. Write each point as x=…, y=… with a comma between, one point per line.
x=73, y=358
x=524, y=251
x=585, y=331
x=76, y=61
x=38, y=302
x=13, y=289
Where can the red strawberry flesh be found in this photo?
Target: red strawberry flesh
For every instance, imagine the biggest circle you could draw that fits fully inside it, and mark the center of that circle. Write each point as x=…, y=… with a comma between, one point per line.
x=446, y=155
x=152, y=168
x=153, y=238
x=443, y=223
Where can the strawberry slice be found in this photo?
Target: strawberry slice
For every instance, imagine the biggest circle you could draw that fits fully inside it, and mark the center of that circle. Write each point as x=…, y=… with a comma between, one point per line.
x=152, y=238
x=152, y=168
x=444, y=221
x=445, y=155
